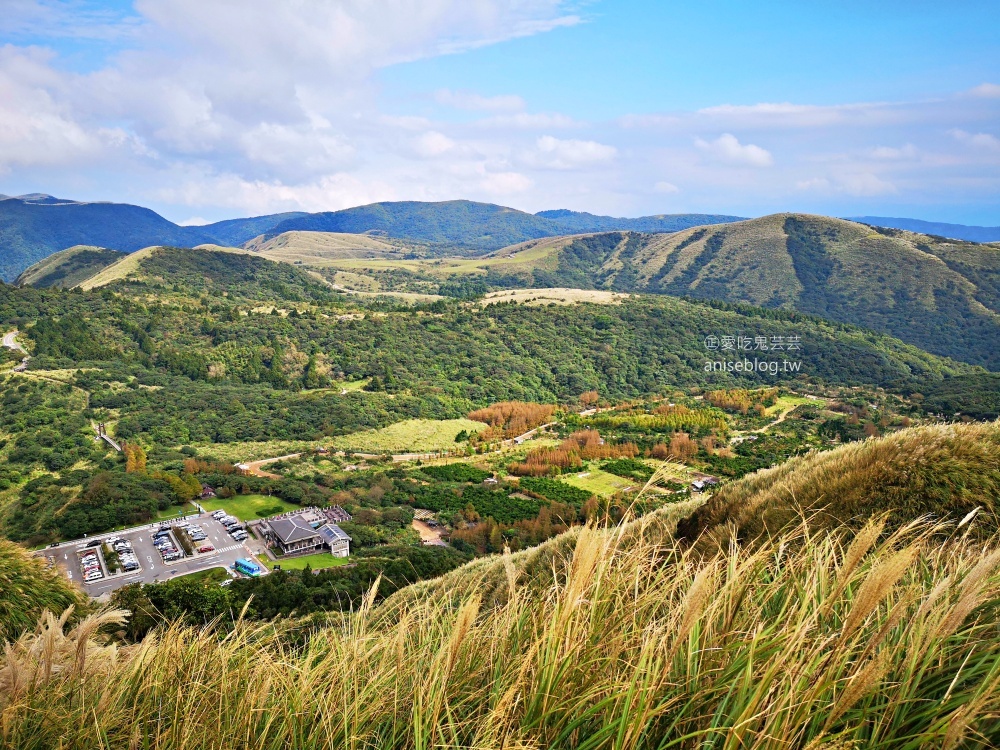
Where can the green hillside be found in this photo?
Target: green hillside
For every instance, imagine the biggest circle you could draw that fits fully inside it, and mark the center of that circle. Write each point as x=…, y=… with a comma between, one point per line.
x=33, y=227
x=941, y=295
x=238, y=231
x=68, y=268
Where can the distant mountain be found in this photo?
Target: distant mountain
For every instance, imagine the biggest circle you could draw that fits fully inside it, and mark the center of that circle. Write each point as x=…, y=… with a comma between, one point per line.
x=34, y=227
x=955, y=231
x=42, y=199
x=237, y=232
x=479, y=226
x=458, y=224
x=578, y=221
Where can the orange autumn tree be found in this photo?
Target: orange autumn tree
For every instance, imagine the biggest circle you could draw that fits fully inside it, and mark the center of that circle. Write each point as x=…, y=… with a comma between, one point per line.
x=583, y=445
x=511, y=418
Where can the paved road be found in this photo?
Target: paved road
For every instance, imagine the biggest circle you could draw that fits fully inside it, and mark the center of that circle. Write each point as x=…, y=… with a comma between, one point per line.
x=227, y=551
x=10, y=341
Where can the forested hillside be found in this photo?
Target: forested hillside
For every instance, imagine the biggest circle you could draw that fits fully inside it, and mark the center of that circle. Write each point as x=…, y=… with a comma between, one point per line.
x=941, y=295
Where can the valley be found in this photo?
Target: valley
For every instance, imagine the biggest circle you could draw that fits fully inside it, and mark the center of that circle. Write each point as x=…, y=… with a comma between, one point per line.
x=487, y=430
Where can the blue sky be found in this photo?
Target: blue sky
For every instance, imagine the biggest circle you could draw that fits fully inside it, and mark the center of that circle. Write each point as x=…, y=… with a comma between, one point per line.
x=211, y=110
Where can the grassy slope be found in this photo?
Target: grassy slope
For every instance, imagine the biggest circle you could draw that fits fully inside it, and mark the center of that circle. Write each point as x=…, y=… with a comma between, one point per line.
x=27, y=588
x=316, y=562
x=941, y=295
x=944, y=470
x=622, y=641
x=318, y=248
x=69, y=267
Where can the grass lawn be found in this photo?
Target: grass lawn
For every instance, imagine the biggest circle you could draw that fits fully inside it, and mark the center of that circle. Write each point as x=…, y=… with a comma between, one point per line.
x=786, y=402
x=211, y=575
x=249, y=507
x=171, y=512
x=410, y=436
x=599, y=482
x=317, y=561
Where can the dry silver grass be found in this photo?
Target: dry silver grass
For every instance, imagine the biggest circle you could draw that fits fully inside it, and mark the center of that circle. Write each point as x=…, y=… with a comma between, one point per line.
x=816, y=640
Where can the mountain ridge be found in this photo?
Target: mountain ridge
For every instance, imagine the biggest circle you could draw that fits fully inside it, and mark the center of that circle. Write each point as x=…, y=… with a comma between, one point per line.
x=939, y=228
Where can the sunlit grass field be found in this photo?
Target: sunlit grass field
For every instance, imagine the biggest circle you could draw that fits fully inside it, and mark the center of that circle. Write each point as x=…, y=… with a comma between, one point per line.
x=410, y=436
x=249, y=507
x=316, y=562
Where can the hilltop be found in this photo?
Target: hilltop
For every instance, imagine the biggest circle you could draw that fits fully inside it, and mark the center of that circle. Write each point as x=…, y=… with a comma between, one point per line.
x=68, y=268
x=941, y=295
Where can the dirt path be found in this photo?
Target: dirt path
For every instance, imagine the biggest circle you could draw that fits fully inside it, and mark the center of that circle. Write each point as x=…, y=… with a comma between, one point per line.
x=428, y=535
x=254, y=467
x=781, y=418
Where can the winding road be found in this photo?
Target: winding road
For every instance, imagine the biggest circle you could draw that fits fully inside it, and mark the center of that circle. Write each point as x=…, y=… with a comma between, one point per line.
x=10, y=342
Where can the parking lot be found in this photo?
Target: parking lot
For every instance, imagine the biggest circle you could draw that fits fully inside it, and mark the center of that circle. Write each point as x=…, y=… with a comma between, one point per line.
x=153, y=568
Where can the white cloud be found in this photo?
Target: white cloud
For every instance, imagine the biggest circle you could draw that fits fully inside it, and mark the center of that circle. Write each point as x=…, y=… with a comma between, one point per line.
x=865, y=184
x=529, y=121
x=473, y=101
x=251, y=106
x=813, y=183
x=556, y=153
x=297, y=152
x=890, y=153
x=433, y=143
x=728, y=150
x=37, y=127
x=506, y=183
x=256, y=197
x=986, y=91
x=857, y=184
x=648, y=121
x=977, y=140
